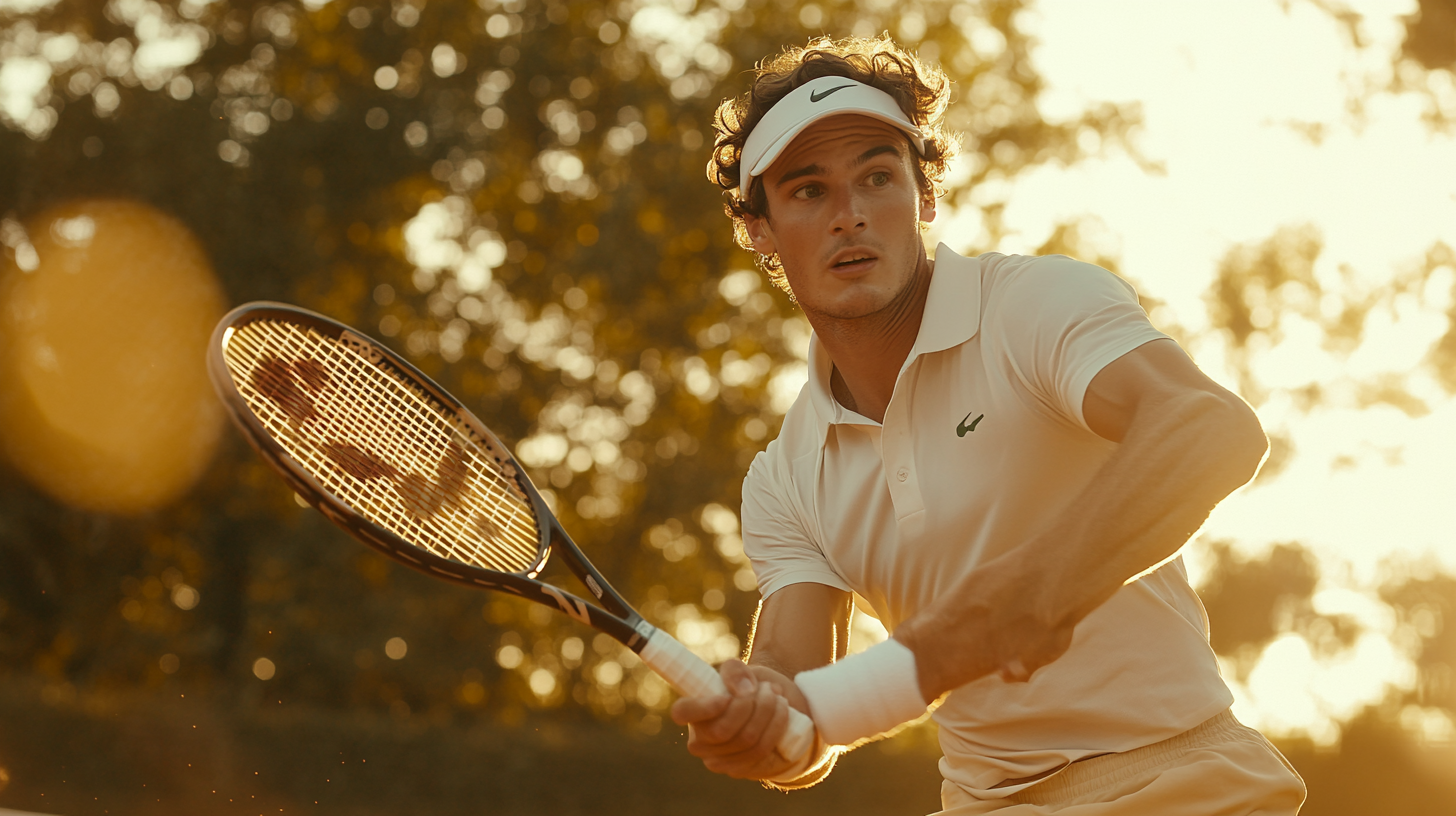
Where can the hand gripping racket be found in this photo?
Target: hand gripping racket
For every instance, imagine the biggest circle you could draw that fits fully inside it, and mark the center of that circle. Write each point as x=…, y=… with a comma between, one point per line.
x=401, y=465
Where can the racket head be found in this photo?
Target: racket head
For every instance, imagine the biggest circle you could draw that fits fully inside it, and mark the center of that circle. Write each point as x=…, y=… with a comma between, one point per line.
x=378, y=447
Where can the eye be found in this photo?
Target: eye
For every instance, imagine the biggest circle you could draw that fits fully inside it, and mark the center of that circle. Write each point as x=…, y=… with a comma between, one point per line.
x=880, y=179
x=808, y=191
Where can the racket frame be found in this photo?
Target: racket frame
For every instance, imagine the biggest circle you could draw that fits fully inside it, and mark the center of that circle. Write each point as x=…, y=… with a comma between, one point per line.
x=614, y=616
x=659, y=650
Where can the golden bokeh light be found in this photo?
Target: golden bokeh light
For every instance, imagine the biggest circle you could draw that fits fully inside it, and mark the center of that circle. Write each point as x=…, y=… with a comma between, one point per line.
x=104, y=398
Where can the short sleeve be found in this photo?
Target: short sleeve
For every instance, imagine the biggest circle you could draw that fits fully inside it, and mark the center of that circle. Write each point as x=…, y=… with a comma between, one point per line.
x=1060, y=322
x=775, y=537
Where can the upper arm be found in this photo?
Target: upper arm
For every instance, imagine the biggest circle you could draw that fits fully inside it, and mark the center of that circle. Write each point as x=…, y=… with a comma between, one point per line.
x=803, y=622
x=800, y=627
x=1057, y=323
x=777, y=539
x=1150, y=376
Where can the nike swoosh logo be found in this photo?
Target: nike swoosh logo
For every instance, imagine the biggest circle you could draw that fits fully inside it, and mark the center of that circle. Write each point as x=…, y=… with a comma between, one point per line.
x=815, y=96
x=963, y=429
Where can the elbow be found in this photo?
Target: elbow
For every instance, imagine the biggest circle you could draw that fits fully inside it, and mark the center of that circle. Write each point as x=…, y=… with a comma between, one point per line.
x=1244, y=438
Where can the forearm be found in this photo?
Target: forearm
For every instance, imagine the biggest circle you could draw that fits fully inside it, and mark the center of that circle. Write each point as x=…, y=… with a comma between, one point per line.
x=1177, y=459
x=782, y=641
x=1177, y=462
x=805, y=627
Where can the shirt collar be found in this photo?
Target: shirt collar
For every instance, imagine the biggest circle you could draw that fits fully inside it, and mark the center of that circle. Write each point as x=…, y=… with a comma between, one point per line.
x=952, y=316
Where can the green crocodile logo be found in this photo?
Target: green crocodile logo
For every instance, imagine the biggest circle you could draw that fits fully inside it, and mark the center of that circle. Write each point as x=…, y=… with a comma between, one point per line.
x=963, y=429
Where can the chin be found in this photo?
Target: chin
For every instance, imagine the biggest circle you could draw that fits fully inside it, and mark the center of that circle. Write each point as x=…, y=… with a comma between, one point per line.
x=855, y=306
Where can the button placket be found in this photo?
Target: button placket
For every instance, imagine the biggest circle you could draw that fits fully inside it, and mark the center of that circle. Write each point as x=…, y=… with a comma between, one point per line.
x=898, y=457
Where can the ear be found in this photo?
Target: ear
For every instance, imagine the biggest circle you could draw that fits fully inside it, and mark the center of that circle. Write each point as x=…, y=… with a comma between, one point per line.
x=760, y=234
x=927, y=208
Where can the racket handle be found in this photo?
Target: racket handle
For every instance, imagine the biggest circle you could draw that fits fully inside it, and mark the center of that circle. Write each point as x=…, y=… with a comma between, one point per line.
x=691, y=675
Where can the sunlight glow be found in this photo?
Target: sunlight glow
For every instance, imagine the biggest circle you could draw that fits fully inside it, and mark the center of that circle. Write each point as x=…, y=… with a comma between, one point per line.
x=1247, y=110
x=1292, y=691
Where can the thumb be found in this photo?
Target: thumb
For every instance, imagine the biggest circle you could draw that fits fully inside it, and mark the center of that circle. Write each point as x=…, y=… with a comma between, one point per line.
x=738, y=678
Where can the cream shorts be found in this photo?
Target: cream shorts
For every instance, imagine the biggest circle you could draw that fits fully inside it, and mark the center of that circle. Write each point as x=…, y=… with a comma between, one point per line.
x=1219, y=767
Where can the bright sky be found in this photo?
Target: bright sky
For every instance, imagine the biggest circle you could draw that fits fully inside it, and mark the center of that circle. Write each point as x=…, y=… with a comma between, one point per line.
x=1220, y=84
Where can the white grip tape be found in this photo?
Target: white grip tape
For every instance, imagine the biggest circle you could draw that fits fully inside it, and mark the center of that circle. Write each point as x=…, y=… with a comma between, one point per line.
x=691, y=675
x=865, y=694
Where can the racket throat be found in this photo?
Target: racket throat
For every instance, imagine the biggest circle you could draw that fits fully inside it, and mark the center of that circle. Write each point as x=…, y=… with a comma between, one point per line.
x=593, y=581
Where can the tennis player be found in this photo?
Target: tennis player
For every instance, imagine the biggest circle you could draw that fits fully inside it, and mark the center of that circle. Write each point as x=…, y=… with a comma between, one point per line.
x=1000, y=455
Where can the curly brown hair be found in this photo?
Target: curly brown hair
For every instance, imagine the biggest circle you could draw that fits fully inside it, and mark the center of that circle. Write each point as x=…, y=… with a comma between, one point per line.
x=920, y=89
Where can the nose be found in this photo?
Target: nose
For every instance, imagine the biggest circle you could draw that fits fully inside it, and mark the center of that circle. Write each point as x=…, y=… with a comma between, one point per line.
x=849, y=214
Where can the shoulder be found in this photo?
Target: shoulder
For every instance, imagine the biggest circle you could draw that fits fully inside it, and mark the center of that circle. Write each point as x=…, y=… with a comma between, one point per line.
x=798, y=436
x=1046, y=272
x=1022, y=285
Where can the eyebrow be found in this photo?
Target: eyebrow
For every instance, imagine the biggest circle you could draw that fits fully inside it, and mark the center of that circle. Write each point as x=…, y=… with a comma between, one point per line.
x=818, y=169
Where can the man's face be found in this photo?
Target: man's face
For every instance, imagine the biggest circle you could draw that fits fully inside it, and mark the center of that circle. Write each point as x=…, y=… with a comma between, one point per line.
x=844, y=213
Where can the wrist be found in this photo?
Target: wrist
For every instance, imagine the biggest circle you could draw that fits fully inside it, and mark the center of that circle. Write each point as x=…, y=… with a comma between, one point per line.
x=926, y=670
x=864, y=695
x=812, y=767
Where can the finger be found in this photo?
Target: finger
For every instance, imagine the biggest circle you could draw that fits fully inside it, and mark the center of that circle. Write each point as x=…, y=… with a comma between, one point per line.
x=713, y=737
x=766, y=703
x=754, y=738
x=731, y=708
x=762, y=761
x=781, y=684
x=689, y=710
x=778, y=724
x=746, y=733
x=738, y=678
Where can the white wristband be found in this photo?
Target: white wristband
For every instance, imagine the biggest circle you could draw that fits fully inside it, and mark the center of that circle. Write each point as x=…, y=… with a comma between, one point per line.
x=864, y=695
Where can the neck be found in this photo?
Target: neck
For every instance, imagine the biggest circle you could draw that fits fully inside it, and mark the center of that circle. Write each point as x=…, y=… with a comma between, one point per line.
x=867, y=352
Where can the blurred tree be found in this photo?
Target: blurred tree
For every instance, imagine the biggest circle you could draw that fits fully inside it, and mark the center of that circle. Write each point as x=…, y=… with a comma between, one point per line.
x=1424, y=63
x=1430, y=35
x=511, y=192
x=1276, y=290
x=1251, y=601
x=1425, y=602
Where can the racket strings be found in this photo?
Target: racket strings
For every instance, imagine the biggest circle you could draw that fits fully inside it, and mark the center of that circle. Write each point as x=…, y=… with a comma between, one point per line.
x=386, y=448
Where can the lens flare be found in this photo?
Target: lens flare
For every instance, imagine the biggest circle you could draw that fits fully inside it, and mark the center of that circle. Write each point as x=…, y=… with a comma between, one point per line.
x=104, y=398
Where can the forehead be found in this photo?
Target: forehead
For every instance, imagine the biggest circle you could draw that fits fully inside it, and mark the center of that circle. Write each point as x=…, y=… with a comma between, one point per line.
x=835, y=140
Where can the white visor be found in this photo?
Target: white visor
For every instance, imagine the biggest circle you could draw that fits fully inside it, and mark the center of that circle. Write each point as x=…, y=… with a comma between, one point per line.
x=807, y=104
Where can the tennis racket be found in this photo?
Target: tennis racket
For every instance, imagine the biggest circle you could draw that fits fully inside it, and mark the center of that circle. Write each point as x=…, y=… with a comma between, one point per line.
x=402, y=466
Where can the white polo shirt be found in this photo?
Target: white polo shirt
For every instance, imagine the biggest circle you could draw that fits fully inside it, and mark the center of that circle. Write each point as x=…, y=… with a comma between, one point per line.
x=983, y=444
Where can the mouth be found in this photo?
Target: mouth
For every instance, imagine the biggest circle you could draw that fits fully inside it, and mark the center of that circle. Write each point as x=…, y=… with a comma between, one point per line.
x=851, y=259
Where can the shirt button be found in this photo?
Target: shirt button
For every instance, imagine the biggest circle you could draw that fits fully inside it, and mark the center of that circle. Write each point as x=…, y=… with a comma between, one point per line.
x=902, y=474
